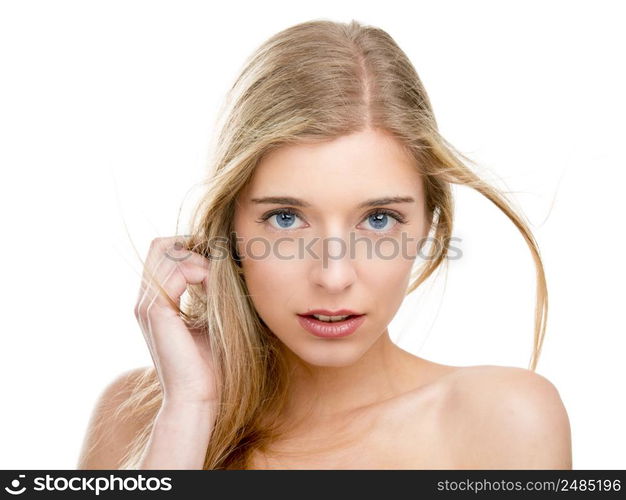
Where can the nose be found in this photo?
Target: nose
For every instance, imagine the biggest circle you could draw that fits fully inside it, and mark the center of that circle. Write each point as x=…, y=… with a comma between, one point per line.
x=333, y=270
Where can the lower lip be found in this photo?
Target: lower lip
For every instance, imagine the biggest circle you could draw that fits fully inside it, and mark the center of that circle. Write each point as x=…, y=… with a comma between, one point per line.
x=328, y=330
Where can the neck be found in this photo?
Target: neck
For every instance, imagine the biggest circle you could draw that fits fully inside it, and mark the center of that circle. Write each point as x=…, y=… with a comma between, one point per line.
x=383, y=372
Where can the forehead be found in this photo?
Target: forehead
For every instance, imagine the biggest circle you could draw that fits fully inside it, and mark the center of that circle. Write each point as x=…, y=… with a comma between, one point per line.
x=356, y=165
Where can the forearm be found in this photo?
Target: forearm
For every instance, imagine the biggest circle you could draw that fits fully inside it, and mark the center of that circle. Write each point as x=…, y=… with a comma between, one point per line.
x=179, y=438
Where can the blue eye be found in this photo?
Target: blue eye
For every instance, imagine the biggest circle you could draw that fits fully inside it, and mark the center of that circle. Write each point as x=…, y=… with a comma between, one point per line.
x=378, y=220
x=284, y=218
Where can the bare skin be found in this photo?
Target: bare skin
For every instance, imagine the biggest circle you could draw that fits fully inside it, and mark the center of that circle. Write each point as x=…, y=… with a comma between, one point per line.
x=477, y=417
x=368, y=437
x=455, y=418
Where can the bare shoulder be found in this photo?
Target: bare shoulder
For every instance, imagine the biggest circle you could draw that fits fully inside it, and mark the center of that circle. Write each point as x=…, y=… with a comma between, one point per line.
x=497, y=417
x=117, y=420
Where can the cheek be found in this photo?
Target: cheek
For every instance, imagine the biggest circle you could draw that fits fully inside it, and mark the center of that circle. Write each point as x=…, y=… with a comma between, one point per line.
x=269, y=276
x=274, y=286
x=386, y=281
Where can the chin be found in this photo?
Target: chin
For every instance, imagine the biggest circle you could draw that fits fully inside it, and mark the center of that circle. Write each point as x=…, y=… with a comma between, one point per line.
x=329, y=354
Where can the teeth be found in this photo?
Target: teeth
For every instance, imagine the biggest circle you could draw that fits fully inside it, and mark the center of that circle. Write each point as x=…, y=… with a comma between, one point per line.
x=331, y=319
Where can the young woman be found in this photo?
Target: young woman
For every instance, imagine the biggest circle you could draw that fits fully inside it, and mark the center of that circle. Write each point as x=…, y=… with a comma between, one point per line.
x=329, y=174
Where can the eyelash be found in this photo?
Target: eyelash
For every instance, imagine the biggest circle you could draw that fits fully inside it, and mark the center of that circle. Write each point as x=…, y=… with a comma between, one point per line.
x=395, y=215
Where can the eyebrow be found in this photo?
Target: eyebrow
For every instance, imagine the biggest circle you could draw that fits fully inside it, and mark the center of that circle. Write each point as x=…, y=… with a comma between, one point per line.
x=374, y=202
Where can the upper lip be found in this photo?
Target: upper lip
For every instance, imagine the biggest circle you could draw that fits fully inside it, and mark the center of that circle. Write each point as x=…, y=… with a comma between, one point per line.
x=326, y=312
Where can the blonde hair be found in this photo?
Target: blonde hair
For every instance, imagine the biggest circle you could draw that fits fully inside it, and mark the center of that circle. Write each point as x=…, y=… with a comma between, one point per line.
x=311, y=82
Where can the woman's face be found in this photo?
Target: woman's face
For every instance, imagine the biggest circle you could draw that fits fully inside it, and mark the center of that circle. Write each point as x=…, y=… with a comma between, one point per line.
x=330, y=247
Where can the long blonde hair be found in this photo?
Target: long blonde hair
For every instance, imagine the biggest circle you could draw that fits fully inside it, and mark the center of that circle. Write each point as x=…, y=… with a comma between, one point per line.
x=313, y=81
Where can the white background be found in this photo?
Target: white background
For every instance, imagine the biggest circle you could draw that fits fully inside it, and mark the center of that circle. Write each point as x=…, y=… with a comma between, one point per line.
x=106, y=113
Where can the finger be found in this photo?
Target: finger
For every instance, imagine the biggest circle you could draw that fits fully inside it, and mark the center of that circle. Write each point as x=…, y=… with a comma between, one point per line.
x=162, y=257
x=153, y=305
x=173, y=278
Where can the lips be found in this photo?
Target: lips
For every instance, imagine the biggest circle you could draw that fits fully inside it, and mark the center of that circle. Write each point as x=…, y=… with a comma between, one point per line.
x=346, y=317
x=327, y=312
x=335, y=329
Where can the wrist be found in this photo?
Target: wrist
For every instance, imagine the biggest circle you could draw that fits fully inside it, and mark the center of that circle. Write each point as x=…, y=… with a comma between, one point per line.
x=176, y=410
x=180, y=436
